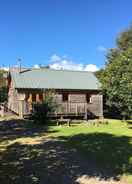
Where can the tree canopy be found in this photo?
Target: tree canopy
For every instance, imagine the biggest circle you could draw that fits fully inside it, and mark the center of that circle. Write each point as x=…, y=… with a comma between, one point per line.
x=116, y=78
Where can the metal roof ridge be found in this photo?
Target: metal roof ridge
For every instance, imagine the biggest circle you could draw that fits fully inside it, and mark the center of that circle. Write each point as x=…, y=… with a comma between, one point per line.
x=61, y=70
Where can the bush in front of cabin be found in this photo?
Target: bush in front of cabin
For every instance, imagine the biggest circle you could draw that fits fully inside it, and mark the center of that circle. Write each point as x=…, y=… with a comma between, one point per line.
x=3, y=94
x=42, y=110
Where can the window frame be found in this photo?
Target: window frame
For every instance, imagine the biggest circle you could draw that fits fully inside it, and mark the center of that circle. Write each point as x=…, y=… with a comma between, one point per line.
x=88, y=98
x=65, y=97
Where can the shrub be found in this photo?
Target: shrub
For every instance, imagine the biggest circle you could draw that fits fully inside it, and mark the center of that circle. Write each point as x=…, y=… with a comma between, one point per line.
x=42, y=110
x=3, y=94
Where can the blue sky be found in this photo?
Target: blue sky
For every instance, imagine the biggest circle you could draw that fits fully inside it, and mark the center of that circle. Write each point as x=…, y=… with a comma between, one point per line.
x=76, y=31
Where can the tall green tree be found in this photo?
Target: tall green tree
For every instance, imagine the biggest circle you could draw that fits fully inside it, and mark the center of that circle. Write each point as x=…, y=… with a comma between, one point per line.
x=116, y=78
x=3, y=86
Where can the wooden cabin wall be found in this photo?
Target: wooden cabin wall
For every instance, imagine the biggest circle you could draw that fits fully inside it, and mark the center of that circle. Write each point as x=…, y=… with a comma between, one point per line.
x=58, y=98
x=77, y=98
x=77, y=101
x=96, y=105
x=13, y=99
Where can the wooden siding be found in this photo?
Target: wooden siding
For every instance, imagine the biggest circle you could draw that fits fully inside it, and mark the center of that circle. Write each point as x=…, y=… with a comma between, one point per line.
x=77, y=98
x=76, y=104
x=72, y=108
x=96, y=105
x=13, y=101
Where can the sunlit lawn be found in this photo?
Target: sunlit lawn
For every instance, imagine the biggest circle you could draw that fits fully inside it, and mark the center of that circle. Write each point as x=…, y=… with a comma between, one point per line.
x=115, y=127
x=110, y=145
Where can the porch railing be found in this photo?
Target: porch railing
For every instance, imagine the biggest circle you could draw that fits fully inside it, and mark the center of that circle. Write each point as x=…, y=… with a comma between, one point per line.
x=72, y=108
x=63, y=108
x=67, y=108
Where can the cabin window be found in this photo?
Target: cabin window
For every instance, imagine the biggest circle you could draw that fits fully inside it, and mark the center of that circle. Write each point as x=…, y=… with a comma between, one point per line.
x=88, y=98
x=65, y=97
x=41, y=97
x=34, y=97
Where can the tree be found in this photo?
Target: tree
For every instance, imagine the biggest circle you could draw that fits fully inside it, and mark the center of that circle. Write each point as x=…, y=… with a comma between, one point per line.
x=3, y=86
x=116, y=78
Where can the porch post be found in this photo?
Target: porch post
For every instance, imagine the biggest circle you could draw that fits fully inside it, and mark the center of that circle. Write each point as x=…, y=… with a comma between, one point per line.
x=21, y=106
x=30, y=102
x=76, y=109
x=37, y=98
x=101, y=107
x=43, y=95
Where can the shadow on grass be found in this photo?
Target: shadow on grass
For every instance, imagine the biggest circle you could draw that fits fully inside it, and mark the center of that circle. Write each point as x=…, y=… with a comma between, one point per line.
x=129, y=124
x=65, y=159
x=47, y=163
x=108, y=151
x=17, y=128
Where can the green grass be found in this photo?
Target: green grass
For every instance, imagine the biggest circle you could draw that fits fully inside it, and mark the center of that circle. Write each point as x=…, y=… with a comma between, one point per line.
x=115, y=127
x=110, y=145
x=23, y=142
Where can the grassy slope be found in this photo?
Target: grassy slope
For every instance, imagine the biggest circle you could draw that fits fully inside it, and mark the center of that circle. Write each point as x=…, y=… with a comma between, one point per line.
x=110, y=145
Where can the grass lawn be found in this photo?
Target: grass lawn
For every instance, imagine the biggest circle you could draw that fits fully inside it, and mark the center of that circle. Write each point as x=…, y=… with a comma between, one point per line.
x=110, y=145
x=37, y=154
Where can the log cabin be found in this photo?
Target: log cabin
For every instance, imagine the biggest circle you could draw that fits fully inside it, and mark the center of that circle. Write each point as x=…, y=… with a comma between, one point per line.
x=78, y=92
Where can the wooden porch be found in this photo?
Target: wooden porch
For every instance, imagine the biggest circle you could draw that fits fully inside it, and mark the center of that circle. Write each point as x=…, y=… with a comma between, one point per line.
x=66, y=109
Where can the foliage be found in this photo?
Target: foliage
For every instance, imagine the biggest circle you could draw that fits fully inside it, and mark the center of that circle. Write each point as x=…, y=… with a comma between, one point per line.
x=116, y=78
x=3, y=86
x=3, y=94
x=124, y=41
x=42, y=110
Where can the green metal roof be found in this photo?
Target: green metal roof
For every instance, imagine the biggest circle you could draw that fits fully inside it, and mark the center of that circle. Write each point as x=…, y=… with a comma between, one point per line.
x=55, y=79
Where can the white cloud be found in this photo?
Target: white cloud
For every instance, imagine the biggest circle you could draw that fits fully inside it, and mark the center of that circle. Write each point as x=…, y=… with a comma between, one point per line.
x=36, y=66
x=58, y=63
x=91, y=67
x=55, y=58
x=64, y=63
x=5, y=68
x=101, y=48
